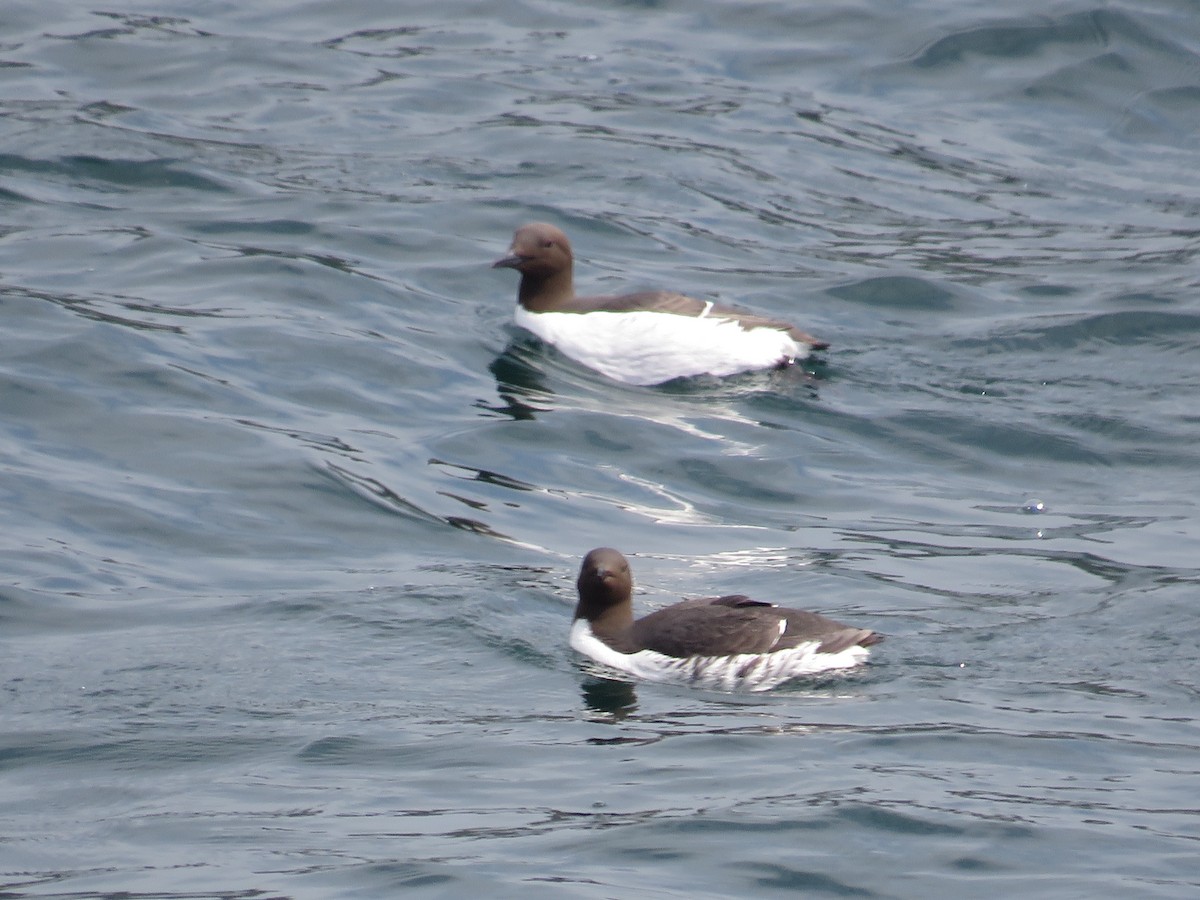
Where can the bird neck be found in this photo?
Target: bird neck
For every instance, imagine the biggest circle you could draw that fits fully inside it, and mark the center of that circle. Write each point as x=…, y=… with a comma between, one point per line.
x=546, y=292
x=606, y=618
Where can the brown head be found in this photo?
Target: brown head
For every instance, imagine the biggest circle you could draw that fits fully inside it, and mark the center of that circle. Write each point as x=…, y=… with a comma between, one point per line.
x=542, y=254
x=605, y=591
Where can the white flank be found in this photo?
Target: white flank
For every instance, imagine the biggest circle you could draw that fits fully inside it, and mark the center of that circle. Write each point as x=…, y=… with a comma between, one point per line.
x=646, y=347
x=743, y=671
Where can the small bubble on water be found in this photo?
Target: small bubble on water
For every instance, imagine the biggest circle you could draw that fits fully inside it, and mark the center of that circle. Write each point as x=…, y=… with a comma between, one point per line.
x=1034, y=505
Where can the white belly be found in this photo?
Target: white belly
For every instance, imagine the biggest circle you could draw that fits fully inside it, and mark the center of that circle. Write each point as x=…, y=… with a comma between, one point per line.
x=745, y=671
x=647, y=347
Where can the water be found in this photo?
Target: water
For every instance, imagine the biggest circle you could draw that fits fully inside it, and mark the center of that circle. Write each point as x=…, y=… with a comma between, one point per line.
x=292, y=514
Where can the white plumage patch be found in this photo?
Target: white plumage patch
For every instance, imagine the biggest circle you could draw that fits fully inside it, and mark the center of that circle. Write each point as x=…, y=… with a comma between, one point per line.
x=646, y=347
x=743, y=671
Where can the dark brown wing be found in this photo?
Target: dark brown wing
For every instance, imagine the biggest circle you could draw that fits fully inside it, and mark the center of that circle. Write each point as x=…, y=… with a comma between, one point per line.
x=834, y=636
x=683, y=305
x=750, y=320
x=711, y=629
x=741, y=600
x=727, y=600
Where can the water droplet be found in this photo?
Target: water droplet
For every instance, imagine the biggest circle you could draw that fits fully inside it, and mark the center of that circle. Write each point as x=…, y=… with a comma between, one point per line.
x=1033, y=505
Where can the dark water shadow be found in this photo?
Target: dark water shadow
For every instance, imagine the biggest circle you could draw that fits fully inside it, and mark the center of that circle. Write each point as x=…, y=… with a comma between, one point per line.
x=610, y=700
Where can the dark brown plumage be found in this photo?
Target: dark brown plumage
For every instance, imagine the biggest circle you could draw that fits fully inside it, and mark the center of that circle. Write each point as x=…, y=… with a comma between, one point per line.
x=542, y=254
x=709, y=626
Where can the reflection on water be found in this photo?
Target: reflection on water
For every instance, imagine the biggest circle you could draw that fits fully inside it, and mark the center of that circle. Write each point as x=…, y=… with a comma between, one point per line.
x=611, y=700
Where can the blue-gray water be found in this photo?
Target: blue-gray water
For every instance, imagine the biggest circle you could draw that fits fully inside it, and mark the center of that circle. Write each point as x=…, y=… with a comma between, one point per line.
x=291, y=514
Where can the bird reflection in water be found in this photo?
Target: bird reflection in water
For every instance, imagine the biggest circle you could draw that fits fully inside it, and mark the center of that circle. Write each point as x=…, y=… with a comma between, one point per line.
x=611, y=700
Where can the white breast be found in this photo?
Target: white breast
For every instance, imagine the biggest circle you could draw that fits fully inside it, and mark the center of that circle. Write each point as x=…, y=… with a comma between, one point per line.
x=743, y=671
x=645, y=347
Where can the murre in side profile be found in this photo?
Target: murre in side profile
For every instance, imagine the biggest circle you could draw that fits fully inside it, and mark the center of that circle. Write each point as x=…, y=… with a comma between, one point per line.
x=644, y=338
x=728, y=643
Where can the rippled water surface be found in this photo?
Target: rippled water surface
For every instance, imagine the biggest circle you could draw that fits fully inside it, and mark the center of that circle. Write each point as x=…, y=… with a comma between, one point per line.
x=291, y=512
